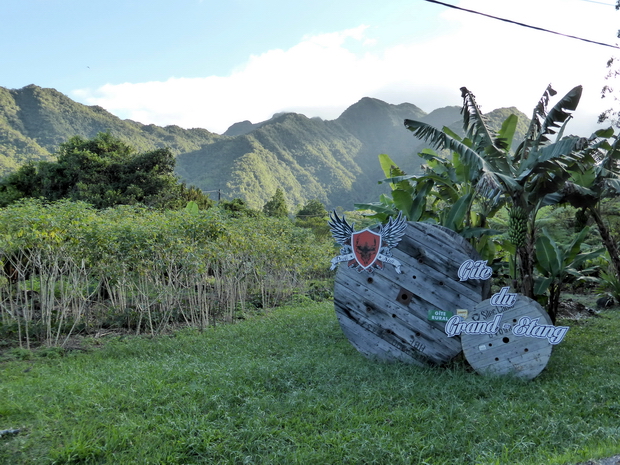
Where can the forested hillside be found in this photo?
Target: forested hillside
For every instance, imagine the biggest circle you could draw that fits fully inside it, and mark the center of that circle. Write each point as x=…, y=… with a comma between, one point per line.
x=309, y=158
x=35, y=121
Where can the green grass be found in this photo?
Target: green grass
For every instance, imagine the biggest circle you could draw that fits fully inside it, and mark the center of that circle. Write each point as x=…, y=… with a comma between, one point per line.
x=288, y=388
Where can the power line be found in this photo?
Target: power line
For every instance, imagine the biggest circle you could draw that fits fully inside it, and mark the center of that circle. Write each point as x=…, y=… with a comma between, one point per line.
x=600, y=3
x=521, y=24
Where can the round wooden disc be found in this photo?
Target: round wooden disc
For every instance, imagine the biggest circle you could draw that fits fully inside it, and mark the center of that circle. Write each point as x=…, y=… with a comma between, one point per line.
x=385, y=315
x=504, y=353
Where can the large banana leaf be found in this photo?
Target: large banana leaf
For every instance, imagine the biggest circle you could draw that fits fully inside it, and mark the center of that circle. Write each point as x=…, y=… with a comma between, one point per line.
x=611, y=187
x=412, y=206
x=559, y=114
x=476, y=161
x=391, y=170
x=548, y=254
x=556, y=261
x=540, y=112
x=507, y=132
x=474, y=123
x=455, y=216
x=550, y=161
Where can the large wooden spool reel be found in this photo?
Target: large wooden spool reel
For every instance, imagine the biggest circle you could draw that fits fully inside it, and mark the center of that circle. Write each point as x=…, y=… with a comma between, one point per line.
x=387, y=315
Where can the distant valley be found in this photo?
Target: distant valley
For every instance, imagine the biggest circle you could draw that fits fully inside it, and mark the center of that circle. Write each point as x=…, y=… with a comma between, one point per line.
x=334, y=161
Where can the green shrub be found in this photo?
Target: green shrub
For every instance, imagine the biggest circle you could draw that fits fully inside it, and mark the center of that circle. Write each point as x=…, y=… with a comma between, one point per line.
x=63, y=261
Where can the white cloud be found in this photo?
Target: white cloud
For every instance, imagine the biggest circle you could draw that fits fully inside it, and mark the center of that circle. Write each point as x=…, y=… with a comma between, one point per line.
x=504, y=65
x=319, y=72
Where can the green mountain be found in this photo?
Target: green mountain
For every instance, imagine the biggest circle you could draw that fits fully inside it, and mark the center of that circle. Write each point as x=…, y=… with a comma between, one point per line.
x=309, y=158
x=35, y=121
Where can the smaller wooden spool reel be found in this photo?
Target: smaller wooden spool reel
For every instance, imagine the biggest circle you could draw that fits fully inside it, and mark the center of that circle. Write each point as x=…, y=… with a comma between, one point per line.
x=505, y=353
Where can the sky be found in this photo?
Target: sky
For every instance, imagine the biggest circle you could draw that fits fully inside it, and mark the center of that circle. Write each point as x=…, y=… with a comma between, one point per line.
x=209, y=64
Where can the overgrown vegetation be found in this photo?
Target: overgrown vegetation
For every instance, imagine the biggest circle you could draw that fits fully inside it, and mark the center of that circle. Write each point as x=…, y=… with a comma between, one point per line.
x=68, y=268
x=288, y=388
x=472, y=178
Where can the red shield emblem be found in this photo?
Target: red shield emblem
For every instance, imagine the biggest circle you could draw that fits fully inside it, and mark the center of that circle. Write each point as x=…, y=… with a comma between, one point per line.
x=366, y=246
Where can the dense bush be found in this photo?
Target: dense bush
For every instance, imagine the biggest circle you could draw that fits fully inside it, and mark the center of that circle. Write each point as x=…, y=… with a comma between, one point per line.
x=67, y=266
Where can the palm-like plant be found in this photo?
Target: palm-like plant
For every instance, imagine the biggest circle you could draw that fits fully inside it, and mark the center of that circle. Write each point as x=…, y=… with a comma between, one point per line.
x=558, y=264
x=537, y=168
x=586, y=189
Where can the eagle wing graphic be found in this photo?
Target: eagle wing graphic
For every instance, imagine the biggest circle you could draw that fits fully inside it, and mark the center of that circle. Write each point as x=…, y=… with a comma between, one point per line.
x=341, y=229
x=393, y=231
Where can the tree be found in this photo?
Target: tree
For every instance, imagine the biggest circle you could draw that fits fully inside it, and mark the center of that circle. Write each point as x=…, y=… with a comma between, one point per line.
x=313, y=209
x=103, y=171
x=313, y=216
x=277, y=205
x=237, y=208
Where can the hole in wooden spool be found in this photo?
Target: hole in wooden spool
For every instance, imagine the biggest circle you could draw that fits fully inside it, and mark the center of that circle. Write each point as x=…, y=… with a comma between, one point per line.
x=526, y=350
x=505, y=340
x=393, y=315
x=370, y=280
x=404, y=296
x=490, y=344
x=496, y=359
x=514, y=320
x=414, y=276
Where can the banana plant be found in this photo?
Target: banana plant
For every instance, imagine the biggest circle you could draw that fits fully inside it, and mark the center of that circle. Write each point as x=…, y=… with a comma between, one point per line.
x=558, y=264
x=585, y=190
x=525, y=178
x=409, y=195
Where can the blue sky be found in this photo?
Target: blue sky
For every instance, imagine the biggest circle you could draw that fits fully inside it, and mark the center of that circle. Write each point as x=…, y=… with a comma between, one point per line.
x=204, y=63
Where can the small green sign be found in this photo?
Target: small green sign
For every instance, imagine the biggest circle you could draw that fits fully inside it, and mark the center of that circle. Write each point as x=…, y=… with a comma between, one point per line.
x=439, y=315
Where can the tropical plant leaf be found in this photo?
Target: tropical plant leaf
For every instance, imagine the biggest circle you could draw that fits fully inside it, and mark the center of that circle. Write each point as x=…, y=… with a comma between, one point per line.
x=612, y=186
x=403, y=202
x=390, y=170
x=574, y=247
x=559, y=114
x=548, y=255
x=398, y=179
x=538, y=114
x=451, y=133
x=479, y=232
x=192, y=208
x=474, y=122
x=584, y=257
x=456, y=215
x=441, y=140
x=541, y=285
x=507, y=132
x=552, y=160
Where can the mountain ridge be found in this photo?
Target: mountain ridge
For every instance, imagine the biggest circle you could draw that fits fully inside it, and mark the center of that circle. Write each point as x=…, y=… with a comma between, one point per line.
x=334, y=161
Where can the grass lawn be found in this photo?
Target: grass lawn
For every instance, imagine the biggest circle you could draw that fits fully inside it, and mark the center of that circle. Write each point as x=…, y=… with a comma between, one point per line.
x=288, y=388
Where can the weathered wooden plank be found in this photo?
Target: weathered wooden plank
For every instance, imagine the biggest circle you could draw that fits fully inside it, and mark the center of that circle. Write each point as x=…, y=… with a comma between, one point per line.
x=429, y=287
x=505, y=353
x=396, y=324
x=385, y=314
x=428, y=246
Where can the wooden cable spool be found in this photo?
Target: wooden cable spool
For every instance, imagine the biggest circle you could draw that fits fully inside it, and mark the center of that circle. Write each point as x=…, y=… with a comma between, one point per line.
x=505, y=353
x=387, y=315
